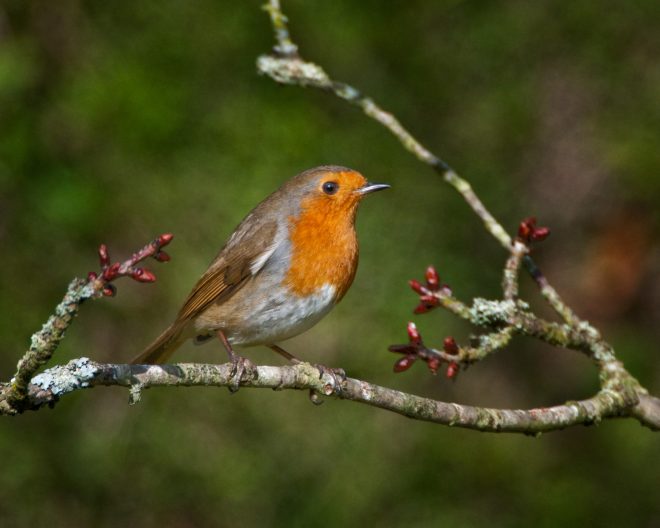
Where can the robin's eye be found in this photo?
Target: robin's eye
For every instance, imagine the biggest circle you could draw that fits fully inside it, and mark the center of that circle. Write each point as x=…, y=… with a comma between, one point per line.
x=330, y=187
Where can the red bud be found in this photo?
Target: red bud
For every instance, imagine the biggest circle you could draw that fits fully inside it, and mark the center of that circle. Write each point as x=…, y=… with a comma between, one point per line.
x=432, y=278
x=91, y=276
x=110, y=272
x=526, y=228
x=433, y=364
x=404, y=363
x=403, y=349
x=422, y=308
x=416, y=286
x=413, y=333
x=450, y=346
x=164, y=239
x=540, y=233
x=452, y=370
x=143, y=275
x=104, y=257
x=528, y=232
x=109, y=290
x=161, y=256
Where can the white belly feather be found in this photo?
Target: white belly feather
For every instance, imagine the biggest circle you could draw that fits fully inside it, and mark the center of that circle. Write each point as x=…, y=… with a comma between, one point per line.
x=284, y=316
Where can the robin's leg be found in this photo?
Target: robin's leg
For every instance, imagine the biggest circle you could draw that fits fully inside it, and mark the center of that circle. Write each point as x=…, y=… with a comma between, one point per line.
x=285, y=354
x=239, y=363
x=335, y=373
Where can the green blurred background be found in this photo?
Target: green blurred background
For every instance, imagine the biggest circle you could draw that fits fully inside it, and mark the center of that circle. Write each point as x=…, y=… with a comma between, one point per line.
x=121, y=120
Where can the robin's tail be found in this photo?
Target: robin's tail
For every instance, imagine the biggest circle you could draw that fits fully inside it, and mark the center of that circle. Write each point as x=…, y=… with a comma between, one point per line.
x=163, y=347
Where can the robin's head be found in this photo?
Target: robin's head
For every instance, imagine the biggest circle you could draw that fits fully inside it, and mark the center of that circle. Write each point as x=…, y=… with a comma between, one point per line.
x=333, y=190
x=321, y=228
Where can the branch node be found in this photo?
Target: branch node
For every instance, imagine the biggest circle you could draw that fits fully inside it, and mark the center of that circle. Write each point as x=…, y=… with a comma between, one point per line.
x=487, y=313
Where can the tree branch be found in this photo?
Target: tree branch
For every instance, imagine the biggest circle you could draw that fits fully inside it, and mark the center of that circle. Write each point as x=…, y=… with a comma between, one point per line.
x=48, y=387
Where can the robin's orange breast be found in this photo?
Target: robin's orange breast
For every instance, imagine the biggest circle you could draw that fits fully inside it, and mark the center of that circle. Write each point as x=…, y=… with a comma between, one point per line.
x=324, y=248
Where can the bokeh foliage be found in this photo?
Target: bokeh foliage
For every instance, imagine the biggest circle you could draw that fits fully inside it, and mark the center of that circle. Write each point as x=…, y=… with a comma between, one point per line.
x=121, y=120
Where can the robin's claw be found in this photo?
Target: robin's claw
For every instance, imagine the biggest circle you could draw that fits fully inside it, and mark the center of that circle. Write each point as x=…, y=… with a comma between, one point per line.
x=242, y=369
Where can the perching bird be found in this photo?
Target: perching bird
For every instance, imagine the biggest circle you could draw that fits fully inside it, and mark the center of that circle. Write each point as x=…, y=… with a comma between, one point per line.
x=286, y=265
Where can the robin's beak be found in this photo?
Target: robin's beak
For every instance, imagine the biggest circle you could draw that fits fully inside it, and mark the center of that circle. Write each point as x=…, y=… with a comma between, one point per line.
x=372, y=187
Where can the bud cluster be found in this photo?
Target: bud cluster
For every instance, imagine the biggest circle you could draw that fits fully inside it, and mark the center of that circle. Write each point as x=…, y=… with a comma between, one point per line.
x=111, y=271
x=415, y=349
x=429, y=291
x=528, y=232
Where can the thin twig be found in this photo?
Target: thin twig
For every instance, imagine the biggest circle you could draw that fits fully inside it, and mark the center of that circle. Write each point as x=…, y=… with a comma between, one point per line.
x=511, y=270
x=284, y=47
x=550, y=294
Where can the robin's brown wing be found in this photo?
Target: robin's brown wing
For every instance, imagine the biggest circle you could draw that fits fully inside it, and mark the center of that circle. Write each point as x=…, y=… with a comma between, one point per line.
x=233, y=266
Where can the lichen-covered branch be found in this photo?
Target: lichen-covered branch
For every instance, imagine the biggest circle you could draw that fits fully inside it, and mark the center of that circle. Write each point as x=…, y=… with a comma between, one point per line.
x=45, y=342
x=47, y=388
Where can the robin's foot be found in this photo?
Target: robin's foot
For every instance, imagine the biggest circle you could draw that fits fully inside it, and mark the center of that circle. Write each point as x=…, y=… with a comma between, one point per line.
x=241, y=367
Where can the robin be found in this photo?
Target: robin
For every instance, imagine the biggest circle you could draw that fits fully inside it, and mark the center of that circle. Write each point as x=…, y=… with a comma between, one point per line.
x=290, y=260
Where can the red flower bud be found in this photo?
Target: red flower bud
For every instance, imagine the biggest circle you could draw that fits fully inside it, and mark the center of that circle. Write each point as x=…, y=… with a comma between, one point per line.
x=104, y=257
x=450, y=346
x=432, y=278
x=526, y=228
x=413, y=333
x=422, y=308
x=407, y=349
x=452, y=370
x=433, y=364
x=528, y=232
x=143, y=275
x=404, y=363
x=110, y=272
x=92, y=276
x=109, y=290
x=416, y=286
x=161, y=256
x=540, y=233
x=164, y=239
